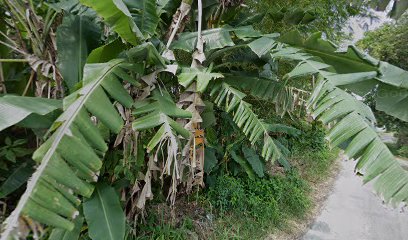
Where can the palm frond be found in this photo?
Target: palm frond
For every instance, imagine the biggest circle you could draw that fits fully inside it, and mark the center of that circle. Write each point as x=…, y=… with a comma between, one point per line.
x=354, y=124
x=316, y=53
x=332, y=104
x=146, y=15
x=202, y=76
x=117, y=15
x=285, y=98
x=215, y=38
x=14, y=109
x=231, y=100
x=159, y=109
x=70, y=158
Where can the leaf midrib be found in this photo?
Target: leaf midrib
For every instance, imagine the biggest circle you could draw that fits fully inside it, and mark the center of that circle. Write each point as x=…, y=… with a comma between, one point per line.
x=263, y=127
x=105, y=213
x=80, y=48
x=37, y=174
x=335, y=56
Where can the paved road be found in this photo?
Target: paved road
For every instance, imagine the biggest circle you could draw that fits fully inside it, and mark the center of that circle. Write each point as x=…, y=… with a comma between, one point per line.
x=353, y=212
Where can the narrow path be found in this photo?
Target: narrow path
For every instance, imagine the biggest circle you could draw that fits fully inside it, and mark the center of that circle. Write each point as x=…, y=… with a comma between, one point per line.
x=353, y=212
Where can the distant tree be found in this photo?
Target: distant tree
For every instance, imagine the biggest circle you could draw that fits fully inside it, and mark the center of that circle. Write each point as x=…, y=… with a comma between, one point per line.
x=389, y=43
x=321, y=15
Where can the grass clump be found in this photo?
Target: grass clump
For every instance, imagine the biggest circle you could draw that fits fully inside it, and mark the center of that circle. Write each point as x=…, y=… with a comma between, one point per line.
x=238, y=207
x=311, y=154
x=403, y=151
x=261, y=203
x=156, y=227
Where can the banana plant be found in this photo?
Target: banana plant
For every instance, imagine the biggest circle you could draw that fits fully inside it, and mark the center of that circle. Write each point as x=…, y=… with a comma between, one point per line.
x=136, y=87
x=62, y=175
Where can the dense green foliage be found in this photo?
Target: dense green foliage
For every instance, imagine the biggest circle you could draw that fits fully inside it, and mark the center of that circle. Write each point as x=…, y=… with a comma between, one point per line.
x=127, y=104
x=153, y=228
x=389, y=43
x=311, y=153
x=239, y=203
x=239, y=207
x=306, y=16
x=268, y=199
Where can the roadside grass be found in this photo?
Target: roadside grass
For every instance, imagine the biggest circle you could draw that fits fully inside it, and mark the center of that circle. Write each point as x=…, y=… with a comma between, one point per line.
x=157, y=227
x=240, y=208
x=315, y=166
x=312, y=162
x=251, y=209
x=401, y=152
x=311, y=153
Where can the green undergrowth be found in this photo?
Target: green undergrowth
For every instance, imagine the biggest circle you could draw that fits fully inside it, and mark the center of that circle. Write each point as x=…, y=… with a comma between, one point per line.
x=311, y=154
x=156, y=228
x=399, y=151
x=249, y=209
x=237, y=207
x=403, y=151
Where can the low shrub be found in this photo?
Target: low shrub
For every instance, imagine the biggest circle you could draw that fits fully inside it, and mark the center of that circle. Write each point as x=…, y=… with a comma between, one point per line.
x=311, y=154
x=156, y=227
x=403, y=151
x=271, y=199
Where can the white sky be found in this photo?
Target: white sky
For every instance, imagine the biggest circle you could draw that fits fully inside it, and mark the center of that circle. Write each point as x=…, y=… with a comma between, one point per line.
x=356, y=26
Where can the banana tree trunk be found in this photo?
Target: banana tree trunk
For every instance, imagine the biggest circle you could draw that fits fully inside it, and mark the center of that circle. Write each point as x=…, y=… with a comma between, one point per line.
x=178, y=22
x=191, y=99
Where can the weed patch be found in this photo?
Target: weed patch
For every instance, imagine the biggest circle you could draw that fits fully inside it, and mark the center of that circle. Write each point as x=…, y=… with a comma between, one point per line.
x=264, y=203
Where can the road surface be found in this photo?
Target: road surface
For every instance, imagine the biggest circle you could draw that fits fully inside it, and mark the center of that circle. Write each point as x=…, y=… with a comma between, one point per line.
x=353, y=212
